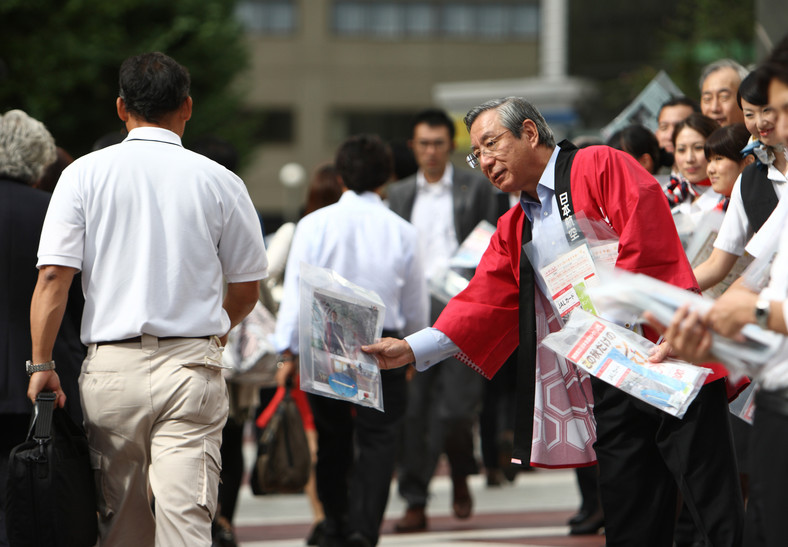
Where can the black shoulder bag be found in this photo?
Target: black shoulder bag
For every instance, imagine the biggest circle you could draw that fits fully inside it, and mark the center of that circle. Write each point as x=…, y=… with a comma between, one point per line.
x=51, y=497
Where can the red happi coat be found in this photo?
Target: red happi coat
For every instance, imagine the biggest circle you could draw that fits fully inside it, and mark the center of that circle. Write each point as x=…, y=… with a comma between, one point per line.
x=484, y=320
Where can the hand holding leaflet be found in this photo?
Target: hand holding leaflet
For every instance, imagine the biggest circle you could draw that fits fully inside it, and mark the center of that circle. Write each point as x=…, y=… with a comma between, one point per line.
x=335, y=319
x=639, y=293
x=620, y=357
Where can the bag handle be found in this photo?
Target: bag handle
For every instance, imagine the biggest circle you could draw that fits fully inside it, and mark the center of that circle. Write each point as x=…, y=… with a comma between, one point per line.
x=42, y=416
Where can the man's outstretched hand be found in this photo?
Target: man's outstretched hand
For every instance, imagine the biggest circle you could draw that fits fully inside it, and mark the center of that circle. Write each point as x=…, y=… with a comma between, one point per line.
x=390, y=353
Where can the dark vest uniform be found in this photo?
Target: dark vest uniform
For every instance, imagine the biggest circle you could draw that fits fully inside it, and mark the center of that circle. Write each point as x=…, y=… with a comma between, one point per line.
x=757, y=194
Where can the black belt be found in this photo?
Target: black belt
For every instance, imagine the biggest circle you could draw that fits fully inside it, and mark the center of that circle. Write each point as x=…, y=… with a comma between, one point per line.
x=388, y=333
x=138, y=339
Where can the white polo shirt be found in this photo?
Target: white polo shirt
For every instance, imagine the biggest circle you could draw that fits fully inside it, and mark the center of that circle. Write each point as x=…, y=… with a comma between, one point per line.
x=155, y=229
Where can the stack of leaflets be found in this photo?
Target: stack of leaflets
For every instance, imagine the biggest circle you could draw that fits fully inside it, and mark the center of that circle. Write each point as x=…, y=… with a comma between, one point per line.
x=619, y=357
x=638, y=293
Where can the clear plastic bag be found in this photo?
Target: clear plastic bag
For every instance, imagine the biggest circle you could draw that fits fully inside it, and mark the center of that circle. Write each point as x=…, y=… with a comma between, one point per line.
x=636, y=293
x=249, y=356
x=620, y=358
x=336, y=318
x=564, y=272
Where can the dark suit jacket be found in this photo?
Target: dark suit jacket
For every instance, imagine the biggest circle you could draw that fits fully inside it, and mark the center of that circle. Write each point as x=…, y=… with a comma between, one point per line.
x=475, y=199
x=22, y=211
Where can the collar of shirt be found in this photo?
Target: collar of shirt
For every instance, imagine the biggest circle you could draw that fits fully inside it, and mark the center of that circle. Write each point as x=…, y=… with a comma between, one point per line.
x=349, y=197
x=444, y=183
x=545, y=189
x=153, y=134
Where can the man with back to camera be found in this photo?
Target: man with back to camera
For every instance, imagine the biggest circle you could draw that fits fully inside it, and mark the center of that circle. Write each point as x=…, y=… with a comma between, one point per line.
x=644, y=454
x=154, y=229
x=445, y=205
x=719, y=82
x=370, y=246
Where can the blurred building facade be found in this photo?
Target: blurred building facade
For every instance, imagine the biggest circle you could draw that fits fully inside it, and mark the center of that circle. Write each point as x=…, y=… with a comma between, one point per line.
x=325, y=69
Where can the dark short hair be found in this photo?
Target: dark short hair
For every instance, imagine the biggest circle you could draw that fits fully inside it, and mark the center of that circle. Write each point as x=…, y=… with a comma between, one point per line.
x=776, y=65
x=754, y=88
x=364, y=163
x=636, y=140
x=727, y=141
x=697, y=121
x=679, y=101
x=152, y=85
x=434, y=117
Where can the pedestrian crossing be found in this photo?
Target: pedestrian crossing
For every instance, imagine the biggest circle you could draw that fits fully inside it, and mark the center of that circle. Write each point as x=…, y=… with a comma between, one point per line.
x=532, y=511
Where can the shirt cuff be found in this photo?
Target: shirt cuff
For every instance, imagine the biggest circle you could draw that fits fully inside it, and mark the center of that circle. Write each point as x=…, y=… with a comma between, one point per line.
x=430, y=346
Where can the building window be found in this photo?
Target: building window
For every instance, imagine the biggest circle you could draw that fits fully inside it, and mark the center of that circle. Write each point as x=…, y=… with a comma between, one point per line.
x=270, y=125
x=386, y=124
x=420, y=19
x=271, y=17
x=449, y=19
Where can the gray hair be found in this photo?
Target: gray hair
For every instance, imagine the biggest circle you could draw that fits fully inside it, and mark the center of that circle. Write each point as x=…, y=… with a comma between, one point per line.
x=512, y=112
x=717, y=65
x=26, y=147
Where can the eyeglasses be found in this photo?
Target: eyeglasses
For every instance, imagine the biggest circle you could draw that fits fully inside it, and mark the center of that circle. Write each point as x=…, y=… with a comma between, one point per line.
x=473, y=159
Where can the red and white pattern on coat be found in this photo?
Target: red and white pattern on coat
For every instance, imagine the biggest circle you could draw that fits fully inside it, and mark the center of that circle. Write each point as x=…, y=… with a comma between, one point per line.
x=564, y=427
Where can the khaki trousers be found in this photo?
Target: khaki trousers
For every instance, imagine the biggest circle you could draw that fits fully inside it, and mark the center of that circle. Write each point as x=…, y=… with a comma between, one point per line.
x=154, y=411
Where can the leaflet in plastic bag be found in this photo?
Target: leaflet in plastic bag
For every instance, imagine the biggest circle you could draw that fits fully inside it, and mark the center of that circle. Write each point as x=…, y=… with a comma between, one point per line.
x=248, y=353
x=337, y=317
x=620, y=357
x=743, y=406
x=638, y=293
x=446, y=283
x=567, y=262
x=701, y=245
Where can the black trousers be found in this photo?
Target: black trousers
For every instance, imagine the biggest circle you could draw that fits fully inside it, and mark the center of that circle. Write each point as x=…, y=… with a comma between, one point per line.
x=645, y=455
x=356, y=452
x=767, y=508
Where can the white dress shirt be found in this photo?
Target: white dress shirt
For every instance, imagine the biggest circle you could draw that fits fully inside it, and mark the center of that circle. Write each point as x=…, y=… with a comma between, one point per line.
x=735, y=231
x=433, y=217
x=775, y=374
x=363, y=241
x=155, y=229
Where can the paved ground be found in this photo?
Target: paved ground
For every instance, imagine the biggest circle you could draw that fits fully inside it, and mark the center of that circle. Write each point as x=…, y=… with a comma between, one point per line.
x=532, y=511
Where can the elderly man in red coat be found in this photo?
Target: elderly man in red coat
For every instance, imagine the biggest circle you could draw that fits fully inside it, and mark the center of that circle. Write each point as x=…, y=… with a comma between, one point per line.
x=645, y=456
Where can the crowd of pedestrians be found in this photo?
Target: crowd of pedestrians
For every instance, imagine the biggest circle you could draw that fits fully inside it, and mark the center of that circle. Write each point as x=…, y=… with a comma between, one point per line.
x=124, y=283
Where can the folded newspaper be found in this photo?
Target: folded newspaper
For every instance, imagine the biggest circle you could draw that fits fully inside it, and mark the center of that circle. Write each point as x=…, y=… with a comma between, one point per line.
x=449, y=282
x=335, y=319
x=638, y=293
x=701, y=245
x=619, y=357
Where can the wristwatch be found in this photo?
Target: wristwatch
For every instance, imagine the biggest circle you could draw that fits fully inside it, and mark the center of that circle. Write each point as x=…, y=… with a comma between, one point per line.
x=283, y=358
x=762, y=308
x=38, y=367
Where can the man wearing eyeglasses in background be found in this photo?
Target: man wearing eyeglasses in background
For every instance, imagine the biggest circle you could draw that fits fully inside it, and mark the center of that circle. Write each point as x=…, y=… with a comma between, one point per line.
x=642, y=452
x=445, y=205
